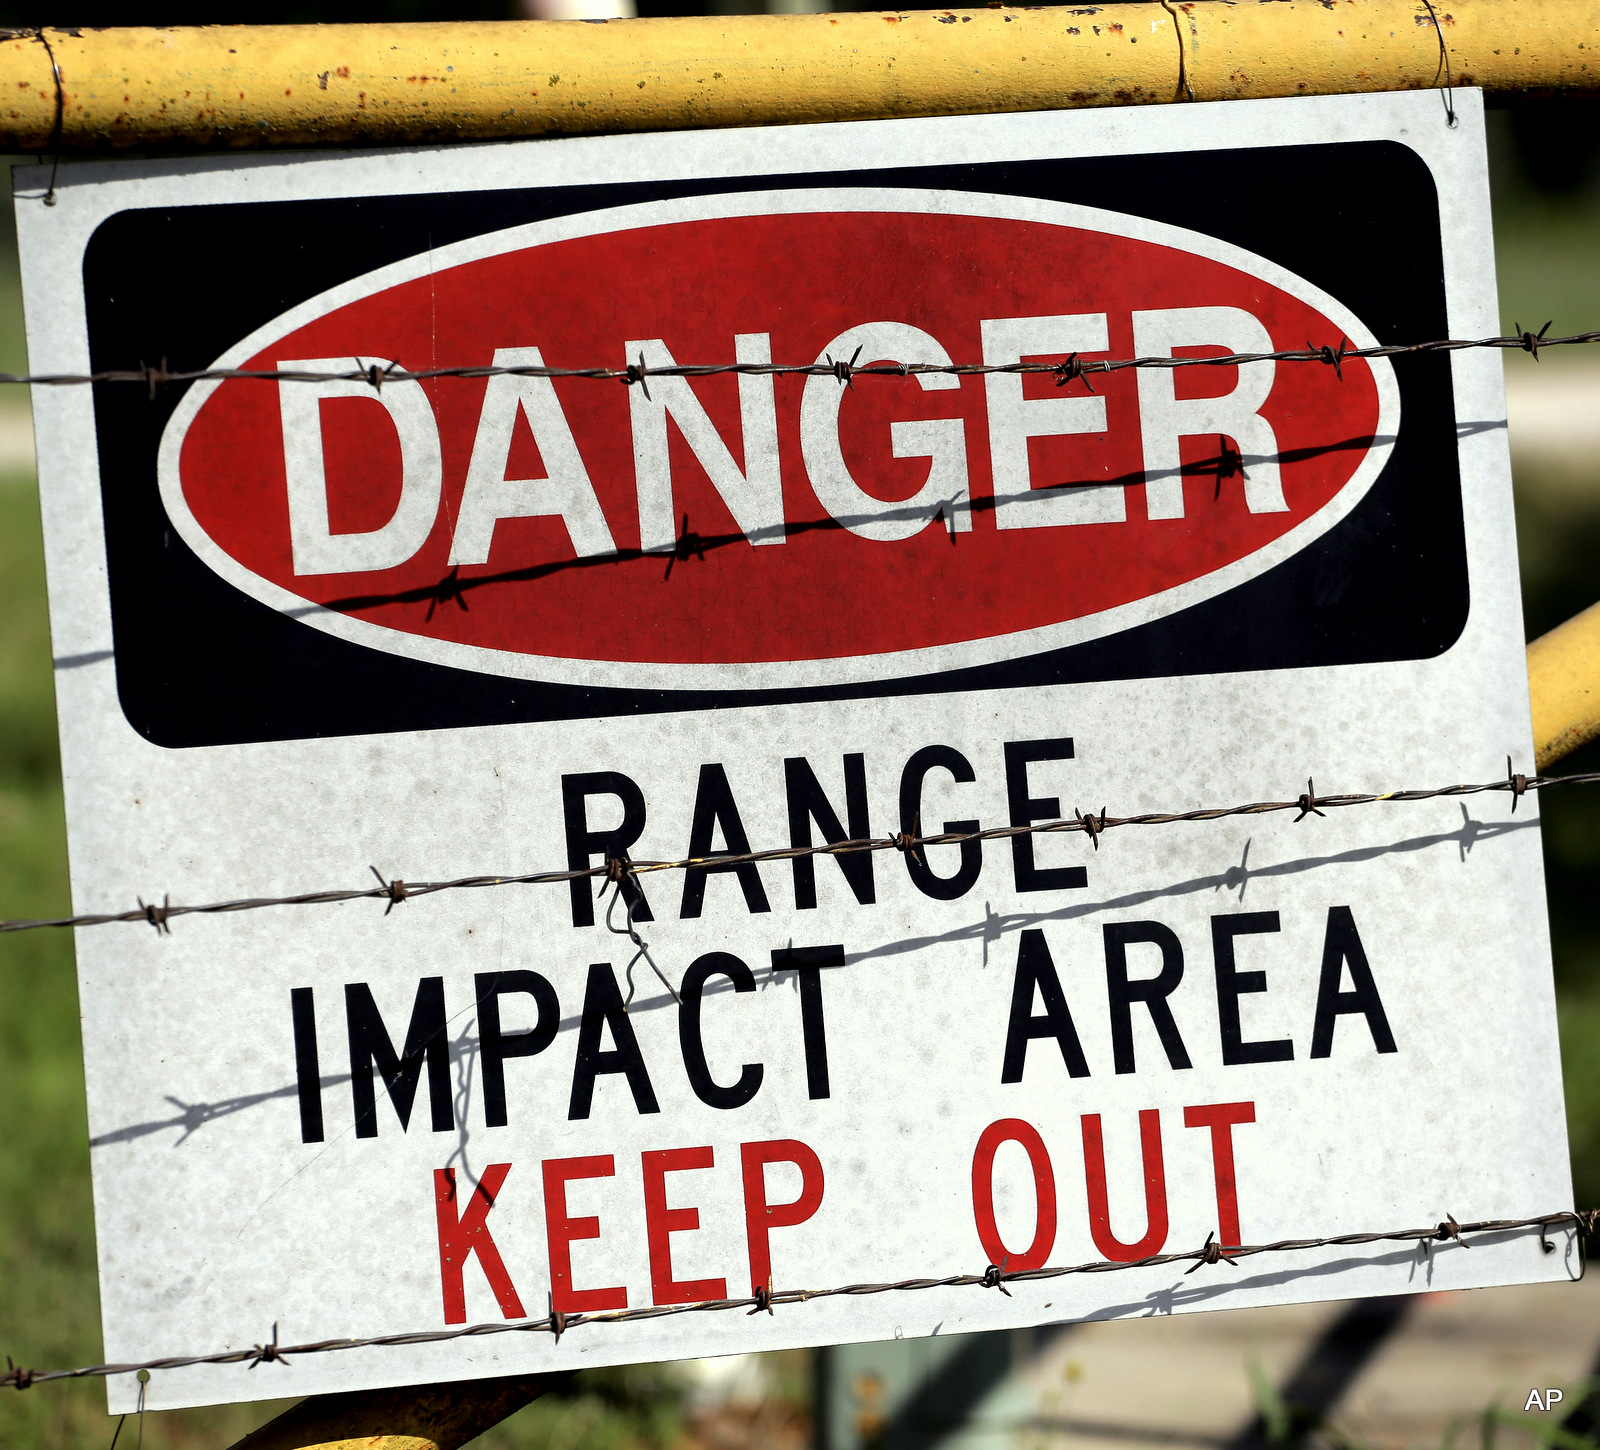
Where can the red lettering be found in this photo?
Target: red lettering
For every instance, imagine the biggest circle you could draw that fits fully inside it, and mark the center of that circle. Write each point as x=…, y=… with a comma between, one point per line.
x=1014, y=1130
x=662, y=1222
x=760, y=1217
x=460, y=1238
x=561, y=1230
x=1155, y=1189
x=1220, y=1118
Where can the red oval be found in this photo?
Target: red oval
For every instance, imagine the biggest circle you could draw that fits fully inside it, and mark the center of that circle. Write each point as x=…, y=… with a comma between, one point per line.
x=825, y=593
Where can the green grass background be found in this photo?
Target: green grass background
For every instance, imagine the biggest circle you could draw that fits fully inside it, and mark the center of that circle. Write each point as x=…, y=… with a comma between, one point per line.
x=49, y=1312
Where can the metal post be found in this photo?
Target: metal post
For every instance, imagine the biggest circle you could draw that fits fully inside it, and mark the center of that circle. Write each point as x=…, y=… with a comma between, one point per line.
x=420, y=1417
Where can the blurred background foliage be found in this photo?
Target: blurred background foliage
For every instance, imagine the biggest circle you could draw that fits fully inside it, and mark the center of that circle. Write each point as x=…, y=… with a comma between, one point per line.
x=1545, y=161
x=1545, y=173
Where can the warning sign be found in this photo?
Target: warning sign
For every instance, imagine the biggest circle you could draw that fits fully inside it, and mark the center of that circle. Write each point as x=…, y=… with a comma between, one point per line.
x=652, y=515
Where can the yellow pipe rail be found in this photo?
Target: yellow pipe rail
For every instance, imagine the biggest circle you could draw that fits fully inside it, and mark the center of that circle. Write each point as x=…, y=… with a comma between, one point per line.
x=283, y=85
x=1564, y=682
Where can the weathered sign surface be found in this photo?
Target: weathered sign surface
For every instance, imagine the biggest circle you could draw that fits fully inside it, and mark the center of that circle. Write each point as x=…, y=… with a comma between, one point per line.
x=1008, y=278
x=461, y=625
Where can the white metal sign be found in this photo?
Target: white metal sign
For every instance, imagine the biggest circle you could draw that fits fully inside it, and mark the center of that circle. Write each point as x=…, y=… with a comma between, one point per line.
x=474, y=624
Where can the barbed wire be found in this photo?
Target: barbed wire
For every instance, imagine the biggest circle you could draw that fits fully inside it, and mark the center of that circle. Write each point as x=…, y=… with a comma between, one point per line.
x=1074, y=368
x=395, y=891
x=766, y=1300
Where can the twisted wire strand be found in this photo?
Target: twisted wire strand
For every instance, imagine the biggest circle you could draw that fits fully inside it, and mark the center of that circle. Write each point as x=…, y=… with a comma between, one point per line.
x=159, y=914
x=993, y=1277
x=1074, y=368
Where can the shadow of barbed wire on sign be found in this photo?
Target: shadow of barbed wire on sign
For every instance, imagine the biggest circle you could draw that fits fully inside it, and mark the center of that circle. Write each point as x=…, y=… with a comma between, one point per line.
x=988, y=931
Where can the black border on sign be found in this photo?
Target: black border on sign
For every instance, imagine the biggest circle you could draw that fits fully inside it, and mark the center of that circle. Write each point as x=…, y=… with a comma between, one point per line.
x=200, y=663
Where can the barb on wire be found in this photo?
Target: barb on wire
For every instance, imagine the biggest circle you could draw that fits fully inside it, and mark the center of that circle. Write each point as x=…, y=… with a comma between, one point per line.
x=156, y=915
x=766, y=1298
x=624, y=871
x=269, y=1352
x=846, y=371
x=994, y=1277
x=397, y=890
x=907, y=841
x=1213, y=1253
x=1531, y=341
x=638, y=373
x=1518, y=785
x=1070, y=371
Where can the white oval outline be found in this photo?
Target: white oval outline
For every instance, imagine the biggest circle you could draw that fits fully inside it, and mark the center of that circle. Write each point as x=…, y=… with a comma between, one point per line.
x=779, y=674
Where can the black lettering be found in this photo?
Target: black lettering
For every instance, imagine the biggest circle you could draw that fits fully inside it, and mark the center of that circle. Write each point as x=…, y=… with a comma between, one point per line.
x=602, y=1007
x=714, y=808
x=307, y=1069
x=706, y=1088
x=495, y=1046
x=808, y=802
x=940, y=888
x=1152, y=991
x=808, y=963
x=1035, y=966
x=1232, y=984
x=584, y=845
x=369, y=1043
x=1342, y=945
x=1026, y=809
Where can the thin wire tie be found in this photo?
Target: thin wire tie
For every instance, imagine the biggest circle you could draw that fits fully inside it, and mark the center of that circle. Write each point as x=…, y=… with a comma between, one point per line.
x=616, y=870
x=1183, y=68
x=61, y=107
x=1450, y=119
